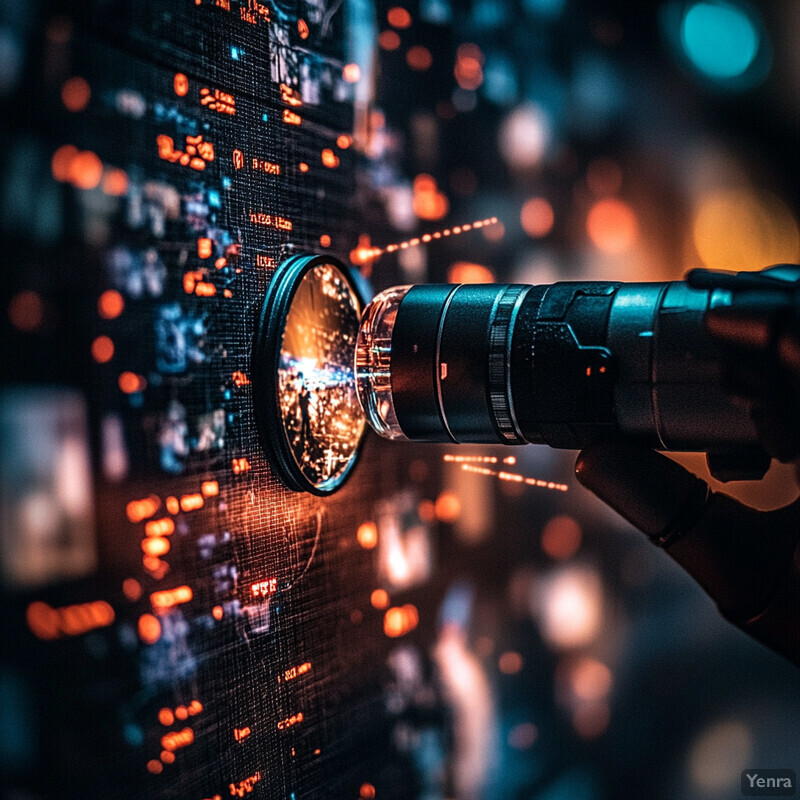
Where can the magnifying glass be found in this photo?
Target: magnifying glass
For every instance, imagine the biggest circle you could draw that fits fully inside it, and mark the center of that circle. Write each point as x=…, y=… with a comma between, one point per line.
x=306, y=407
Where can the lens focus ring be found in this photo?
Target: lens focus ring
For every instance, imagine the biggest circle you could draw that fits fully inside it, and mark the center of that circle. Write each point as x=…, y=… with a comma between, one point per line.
x=500, y=334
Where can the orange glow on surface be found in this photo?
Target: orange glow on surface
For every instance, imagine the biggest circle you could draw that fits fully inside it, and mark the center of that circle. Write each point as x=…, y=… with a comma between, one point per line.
x=400, y=620
x=180, y=84
x=130, y=383
x=612, y=226
x=367, y=535
x=244, y=787
x=398, y=17
x=537, y=217
x=561, y=537
x=240, y=465
x=389, y=40
x=75, y=94
x=204, y=247
x=196, y=154
x=149, y=629
x=85, y=170
x=295, y=672
x=510, y=662
x=241, y=733
x=155, y=546
x=329, y=158
x=132, y=589
x=102, y=349
x=288, y=722
x=351, y=73
x=209, y=488
x=238, y=159
x=26, y=311
x=217, y=100
x=160, y=527
x=344, y=140
x=290, y=96
x=191, y=502
x=115, y=182
x=450, y=458
x=46, y=622
x=419, y=58
x=467, y=272
x=110, y=304
x=379, y=599
x=271, y=221
x=302, y=28
x=174, y=740
x=169, y=598
x=447, y=507
x=264, y=588
x=240, y=379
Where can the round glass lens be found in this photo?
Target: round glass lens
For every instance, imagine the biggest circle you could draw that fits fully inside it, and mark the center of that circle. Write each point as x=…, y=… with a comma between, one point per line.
x=322, y=418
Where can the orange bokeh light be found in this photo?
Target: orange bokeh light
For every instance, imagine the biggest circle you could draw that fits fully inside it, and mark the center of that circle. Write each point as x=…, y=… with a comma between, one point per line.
x=132, y=589
x=329, y=158
x=379, y=599
x=26, y=311
x=400, y=620
x=447, y=507
x=344, y=140
x=419, y=58
x=75, y=94
x=85, y=170
x=612, y=226
x=115, y=182
x=537, y=217
x=468, y=272
x=325, y=240
x=561, y=537
x=351, y=73
x=61, y=160
x=149, y=628
x=367, y=535
x=130, y=383
x=398, y=17
x=389, y=40
x=110, y=304
x=180, y=84
x=102, y=349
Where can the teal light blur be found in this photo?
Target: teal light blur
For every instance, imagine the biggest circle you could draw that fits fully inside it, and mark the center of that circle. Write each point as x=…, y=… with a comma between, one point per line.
x=720, y=39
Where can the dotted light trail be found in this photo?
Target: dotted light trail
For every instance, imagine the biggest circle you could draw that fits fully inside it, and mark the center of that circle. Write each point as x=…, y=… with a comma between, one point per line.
x=510, y=460
x=513, y=477
x=363, y=254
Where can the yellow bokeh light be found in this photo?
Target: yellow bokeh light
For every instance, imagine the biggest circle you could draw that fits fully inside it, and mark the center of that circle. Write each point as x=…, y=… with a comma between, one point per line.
x=740, y=229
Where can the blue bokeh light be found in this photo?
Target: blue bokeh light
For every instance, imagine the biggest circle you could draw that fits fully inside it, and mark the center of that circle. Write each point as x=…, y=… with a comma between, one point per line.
x=720, y=39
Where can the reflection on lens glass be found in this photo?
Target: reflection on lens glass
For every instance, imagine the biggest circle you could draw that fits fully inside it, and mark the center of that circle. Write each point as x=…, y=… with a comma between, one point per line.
x=321, y=415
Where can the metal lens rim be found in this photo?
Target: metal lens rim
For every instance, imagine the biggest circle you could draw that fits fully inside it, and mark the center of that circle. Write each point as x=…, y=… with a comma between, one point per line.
x=265, y=360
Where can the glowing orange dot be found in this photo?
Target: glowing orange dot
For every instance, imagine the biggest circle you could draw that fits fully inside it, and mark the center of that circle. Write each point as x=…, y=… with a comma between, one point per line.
x=172, y=504
x=110, y=304
x=149, y=628
x=419, y=58
x=43, y=620
x=102, y=349
x=426, y=510
x=302, y=166
x=60, y=163
x=181, y=713
x=612, y=225
x=351, y=73
x=85, y=170
x=389, y=40
x=448, y=507
x=180, y=84
x=367, y=535
x=398, y=17
x=590, y=720
x=379, y=599
x=154, y=767
x=537, y=217
x=400, y=620
x=26, y=311
x=366, y=792
x=167, y=757
x=343, y=141
x=510, y=662
x=75, y=94
x=132, y=589
x=325, y=240
x=561, y=537
x=494, y=232
x=130, y=382
x=302, y=28
x=115, y=182
x=155, y=546
x=329, y=158
x=217, y=612
x=204, y=247
x=166, y=717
